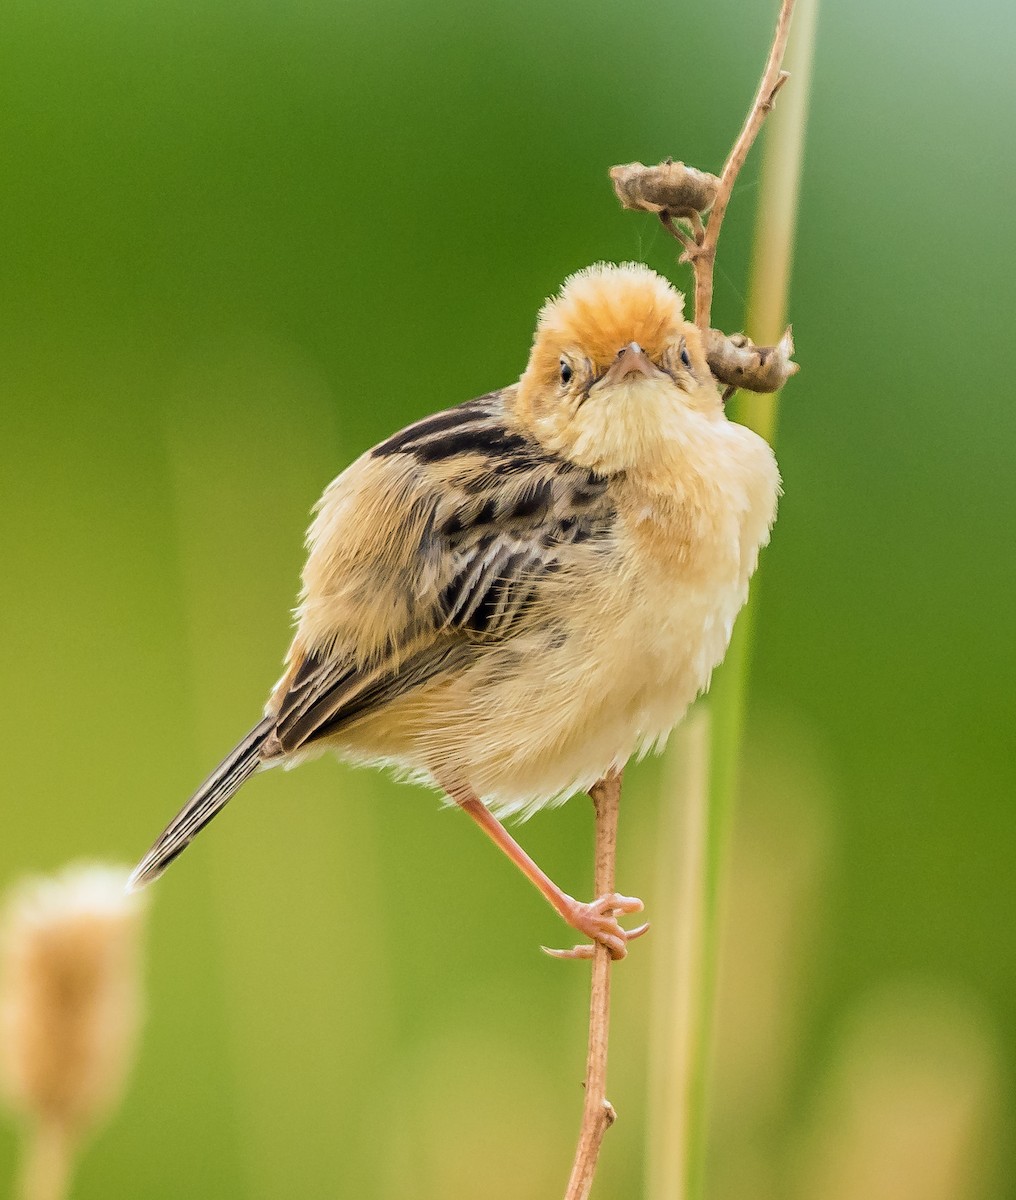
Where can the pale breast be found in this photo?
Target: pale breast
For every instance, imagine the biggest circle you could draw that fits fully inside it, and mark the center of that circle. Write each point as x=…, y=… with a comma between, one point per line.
x=645, y=638
x=626, y=636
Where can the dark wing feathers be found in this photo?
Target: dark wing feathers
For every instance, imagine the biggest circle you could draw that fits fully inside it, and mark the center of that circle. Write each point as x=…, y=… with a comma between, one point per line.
x=340, y=692
x=495, y=582
x=446, y=428
x=497, y=524
x=499, y=513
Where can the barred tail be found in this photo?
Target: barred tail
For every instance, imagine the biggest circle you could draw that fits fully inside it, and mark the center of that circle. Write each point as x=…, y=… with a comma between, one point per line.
x=210, y=797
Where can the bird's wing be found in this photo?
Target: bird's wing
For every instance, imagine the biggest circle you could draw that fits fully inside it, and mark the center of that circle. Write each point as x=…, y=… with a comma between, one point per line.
x=434, y=543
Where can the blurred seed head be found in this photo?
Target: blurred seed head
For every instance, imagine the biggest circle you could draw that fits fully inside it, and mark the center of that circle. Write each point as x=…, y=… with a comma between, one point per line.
x=70, y=997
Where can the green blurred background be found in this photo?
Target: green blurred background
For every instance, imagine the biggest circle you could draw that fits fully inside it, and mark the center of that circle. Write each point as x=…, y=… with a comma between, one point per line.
x=245, y=239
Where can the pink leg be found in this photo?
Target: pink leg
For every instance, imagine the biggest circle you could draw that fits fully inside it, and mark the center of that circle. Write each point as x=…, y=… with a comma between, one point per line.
x=595, y=920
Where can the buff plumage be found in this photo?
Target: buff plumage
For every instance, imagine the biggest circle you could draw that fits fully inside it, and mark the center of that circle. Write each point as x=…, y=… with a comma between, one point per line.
x=512, y=597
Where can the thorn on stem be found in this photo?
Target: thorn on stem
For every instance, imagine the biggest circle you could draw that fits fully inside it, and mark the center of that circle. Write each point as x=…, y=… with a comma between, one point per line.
x=770, y=101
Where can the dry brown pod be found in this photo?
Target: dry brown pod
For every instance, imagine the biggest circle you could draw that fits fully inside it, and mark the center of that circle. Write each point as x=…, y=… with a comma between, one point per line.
x=666, y=187
x=737, y=362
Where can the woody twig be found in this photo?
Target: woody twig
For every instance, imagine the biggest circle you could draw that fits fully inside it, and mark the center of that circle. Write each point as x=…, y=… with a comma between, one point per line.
x=691, y=205
x=598, y=1113
x=680, y=196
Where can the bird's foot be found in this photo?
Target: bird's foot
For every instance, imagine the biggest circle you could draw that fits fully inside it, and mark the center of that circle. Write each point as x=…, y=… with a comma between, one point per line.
x=598, y=920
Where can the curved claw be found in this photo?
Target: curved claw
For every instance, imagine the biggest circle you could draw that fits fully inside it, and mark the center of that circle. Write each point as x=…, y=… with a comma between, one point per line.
x=618, y=947
x=585, y=951
x=598, y=921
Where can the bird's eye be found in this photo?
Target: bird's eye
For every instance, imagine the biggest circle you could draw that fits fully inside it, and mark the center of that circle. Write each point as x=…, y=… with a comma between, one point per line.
x=685, y=357
x=566, y=373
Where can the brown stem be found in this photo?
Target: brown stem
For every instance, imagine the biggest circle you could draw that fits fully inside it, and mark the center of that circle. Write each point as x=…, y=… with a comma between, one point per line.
x=597, y=1112
x=671, y=226
x=773, y=78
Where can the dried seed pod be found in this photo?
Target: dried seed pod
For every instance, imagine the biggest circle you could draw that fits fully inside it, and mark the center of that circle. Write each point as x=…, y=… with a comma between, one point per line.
x=667, y=187
x=737, y=362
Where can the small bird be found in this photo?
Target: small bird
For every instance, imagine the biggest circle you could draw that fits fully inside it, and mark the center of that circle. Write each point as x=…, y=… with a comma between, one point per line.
x=510, y=598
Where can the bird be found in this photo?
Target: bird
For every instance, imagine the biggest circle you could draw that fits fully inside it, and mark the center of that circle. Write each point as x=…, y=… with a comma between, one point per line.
x=509, y=599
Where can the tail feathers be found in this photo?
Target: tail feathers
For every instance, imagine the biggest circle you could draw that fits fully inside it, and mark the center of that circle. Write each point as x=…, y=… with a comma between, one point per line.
x=210, y=797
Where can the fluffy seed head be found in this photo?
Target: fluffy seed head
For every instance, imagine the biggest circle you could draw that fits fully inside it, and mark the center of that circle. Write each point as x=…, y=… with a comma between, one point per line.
x=69, y=994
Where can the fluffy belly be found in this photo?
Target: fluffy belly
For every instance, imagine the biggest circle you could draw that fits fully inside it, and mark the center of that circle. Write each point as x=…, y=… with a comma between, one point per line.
x=534, y=720
x=619, y=643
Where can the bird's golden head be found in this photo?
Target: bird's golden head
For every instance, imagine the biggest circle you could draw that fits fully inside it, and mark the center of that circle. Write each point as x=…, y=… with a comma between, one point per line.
x=614, y=368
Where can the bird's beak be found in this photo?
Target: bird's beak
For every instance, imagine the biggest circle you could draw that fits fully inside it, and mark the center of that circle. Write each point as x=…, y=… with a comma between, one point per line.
x=631, y=362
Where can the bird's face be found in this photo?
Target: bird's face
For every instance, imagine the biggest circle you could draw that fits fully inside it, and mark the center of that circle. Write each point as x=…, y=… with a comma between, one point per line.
x=615, y=370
